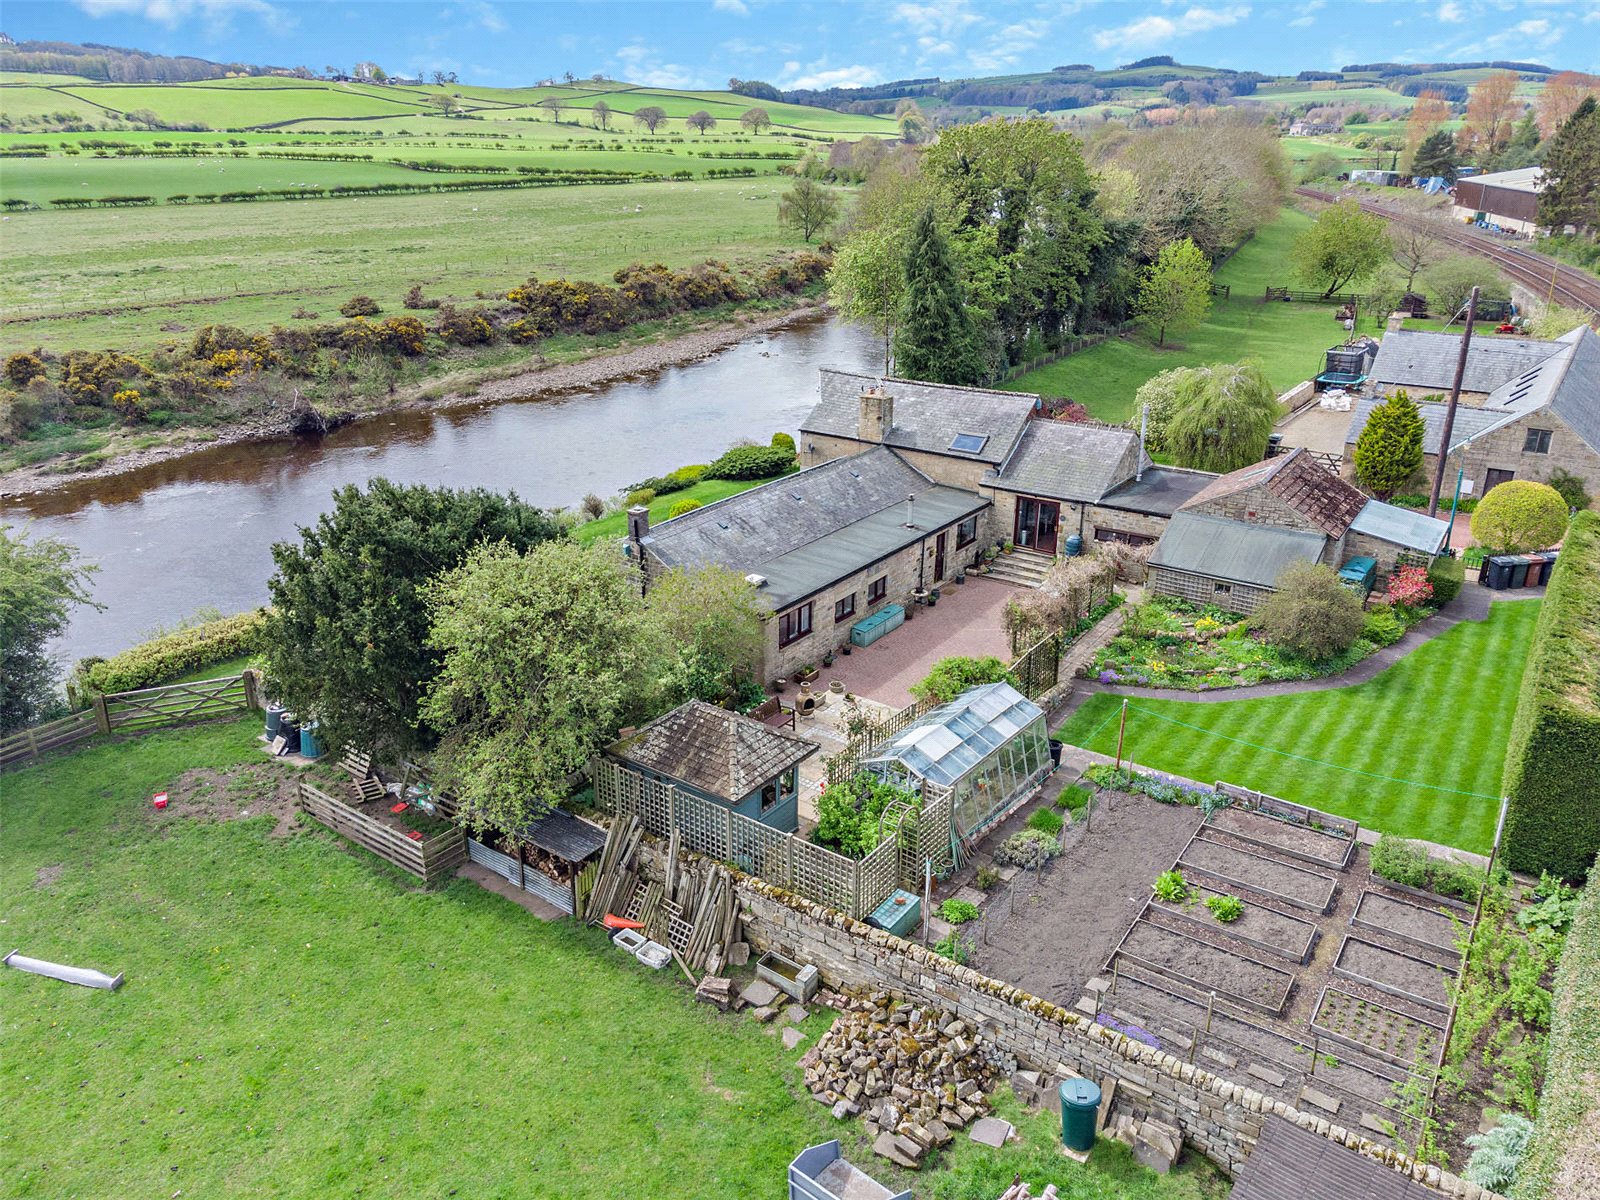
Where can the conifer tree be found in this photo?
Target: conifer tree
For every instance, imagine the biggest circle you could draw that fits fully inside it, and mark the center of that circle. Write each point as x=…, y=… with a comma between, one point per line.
x=1571, y=194
x=935, y=339
x=1389, y=450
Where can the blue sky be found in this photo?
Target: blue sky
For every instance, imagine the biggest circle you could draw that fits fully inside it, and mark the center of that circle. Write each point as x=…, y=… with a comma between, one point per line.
x=804, y=43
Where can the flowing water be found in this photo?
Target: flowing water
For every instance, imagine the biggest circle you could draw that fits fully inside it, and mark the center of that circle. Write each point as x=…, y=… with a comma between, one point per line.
x=197, y=532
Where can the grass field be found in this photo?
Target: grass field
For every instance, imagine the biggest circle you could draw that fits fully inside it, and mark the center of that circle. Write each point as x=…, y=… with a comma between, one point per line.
x=1437, y=719
x=1289, y=339
x=300, y=1021
x=707, y=491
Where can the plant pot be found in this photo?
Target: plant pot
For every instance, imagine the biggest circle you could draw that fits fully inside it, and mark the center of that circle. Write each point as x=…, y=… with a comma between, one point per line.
x=779, y=684
x=827, y=660
x=845, y=649
x=961, y=577
x=836, y=686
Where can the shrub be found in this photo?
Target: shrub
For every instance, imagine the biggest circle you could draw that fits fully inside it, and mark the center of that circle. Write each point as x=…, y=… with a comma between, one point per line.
x=958, y=912
x=848, y=813
x=23, y=369
x=359, y=306
x=1312, y=613
x=956, y=674
x=1497, y=1155
x=1075, y=798
x=986, y=877
x=1226, y=909
x=1382, y=627
x=954, y=946
x=1567, y=485
x=690, y=475
x=1520, y=515
x=463, y=328
x=174, y=654
x=1026, y=848
x=1171, y=886
x=1403, y=861
x=639, y=497
x=1446, y=576
x=687, y=505
x=592, y=507
x=1409, y=587
x=782, y=441
x=1046, y=820
x=751, y=462
x=1389, y=449
x=1552, y=772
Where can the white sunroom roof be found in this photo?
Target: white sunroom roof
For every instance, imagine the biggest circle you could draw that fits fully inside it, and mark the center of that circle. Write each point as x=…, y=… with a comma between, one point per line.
x=946, y=743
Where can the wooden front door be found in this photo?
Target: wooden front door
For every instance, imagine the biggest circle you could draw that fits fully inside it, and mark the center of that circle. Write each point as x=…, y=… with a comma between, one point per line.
x=938, y=558
x=1037, y=524
x=1496, y=476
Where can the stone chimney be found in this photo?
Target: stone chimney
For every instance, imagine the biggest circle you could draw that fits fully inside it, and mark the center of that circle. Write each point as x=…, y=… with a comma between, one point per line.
x=638, y=523
x=877, y=415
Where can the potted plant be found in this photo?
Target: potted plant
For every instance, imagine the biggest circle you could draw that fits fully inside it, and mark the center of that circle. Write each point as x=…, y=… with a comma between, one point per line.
x=827, y=659
x=1008, y=547
x=779, y=684
x=961, y=574
x=806, y=672
x=845, y=649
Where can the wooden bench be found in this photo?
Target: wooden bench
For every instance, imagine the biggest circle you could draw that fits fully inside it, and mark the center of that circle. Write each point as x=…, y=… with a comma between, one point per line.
x=771, y=711
x=365, y=784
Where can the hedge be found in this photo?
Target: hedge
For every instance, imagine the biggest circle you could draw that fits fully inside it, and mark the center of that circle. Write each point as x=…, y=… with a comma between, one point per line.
x=1446, y=575
x=166, y=657
x=1552, y=773
x=751, y=462
x=1563, y=1161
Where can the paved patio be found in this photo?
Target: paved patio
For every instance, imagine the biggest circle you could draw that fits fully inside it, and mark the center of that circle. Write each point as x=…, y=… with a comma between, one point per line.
x=1317, y=429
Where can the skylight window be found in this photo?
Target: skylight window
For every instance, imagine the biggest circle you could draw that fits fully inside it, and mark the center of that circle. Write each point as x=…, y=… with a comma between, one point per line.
x=969, y=443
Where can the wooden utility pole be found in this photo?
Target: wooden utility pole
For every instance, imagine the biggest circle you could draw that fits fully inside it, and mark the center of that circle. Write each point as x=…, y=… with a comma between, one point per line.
x=1450, y=413
x=1122, y=728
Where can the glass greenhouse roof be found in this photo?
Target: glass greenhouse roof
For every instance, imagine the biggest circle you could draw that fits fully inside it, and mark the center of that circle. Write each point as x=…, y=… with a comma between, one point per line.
x=950, y=741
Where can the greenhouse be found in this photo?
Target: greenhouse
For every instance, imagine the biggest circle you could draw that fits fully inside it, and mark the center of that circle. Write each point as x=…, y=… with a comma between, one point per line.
x=986, y=749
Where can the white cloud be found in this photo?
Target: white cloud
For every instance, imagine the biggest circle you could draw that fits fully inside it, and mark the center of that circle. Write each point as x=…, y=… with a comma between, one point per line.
x=815, y=75
x=1450, y=13
x=1152, y=30
x=1006, y=48
x=640, y=65
x=217, y=14
x=483, y=15
x=945, y=19
x=1302, y=22
x=737, y=7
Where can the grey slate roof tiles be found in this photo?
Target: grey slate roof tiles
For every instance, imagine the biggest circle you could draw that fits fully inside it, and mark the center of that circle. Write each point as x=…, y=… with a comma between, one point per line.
x=1421, y=360
x=713, y=750
x=1070, y=461
x=927, y=416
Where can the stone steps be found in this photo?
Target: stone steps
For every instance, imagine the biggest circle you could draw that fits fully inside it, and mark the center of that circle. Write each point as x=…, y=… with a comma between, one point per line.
x=1021, y=567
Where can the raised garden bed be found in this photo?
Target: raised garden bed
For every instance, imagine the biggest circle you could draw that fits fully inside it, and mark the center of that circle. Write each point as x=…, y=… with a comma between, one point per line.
x=430, y=859
x=1264, y=928
x=1232, y=975
x=1399, y=974
x=1272, y=833
x=1239, y=868
x=1427, y=927
x=1362, y=1024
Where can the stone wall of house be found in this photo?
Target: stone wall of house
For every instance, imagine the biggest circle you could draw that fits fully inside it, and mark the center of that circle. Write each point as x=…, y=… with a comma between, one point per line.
x=1386, y=553
x=1257, y=506
x=1202, y=589
x=1220, y=1119
x=1147, y=524
x=1003, y=517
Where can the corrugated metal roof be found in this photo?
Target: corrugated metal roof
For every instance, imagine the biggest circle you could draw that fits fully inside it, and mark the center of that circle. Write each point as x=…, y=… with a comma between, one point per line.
x=927, y=416
x=1522, y=179
x=1234, y=551
x=713, y=750
x=1160, y=493
x=564, y=835
x=1418, y=359
x=1067, y=460
x=1290, y=1163
x=1402, y=526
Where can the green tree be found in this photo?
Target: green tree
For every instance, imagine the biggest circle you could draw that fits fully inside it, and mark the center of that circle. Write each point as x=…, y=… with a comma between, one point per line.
x=807, y=208
x=867, y=282
x=346, y=639
x=1343, y=247
x=1175, y=292
x=1311, y=613
x=1520, y=515
x=911, y=121
x=1449, y=282
x=1158, y=398
x=1437, y=155
x=755, y=119
x=711, y=628
x=1389, y=450
x=1222, y=418
x=542, y=656
x=1571, y=193
x=40, y=582
x=935, y=339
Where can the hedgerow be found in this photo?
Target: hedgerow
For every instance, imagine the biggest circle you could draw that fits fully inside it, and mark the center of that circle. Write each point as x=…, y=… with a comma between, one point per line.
x=1552, y=772
x=173, y=654
x=751, y=462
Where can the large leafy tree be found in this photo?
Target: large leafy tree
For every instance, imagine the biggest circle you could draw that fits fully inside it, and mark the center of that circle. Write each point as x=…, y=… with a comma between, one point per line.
x=1389, y=450
x=711, y=627
x=1222, y=418
x=543, y=655
x=347, y=636
x=1343, y=247
x=1571, y=177
x=41, y=580
x=1436, y=155
x=1520, y=515
x=807, y=208
x=935, y=338
x=1492, y=108
x=1175, y=292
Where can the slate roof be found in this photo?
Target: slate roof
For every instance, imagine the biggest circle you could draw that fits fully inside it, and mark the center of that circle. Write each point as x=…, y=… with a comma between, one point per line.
x=1235, y=551
x=807, y=530
x=1313, y=491
x=927, y=416
x=714, y=751
x=1401, y=526
x=1421, y=360
x=1160, y=493
x=1067, y=460
x=1290, y=1163
x=1470, y=421
x=564, y=835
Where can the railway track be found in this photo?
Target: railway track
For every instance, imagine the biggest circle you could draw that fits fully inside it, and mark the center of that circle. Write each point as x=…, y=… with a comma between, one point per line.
x=1542, y=275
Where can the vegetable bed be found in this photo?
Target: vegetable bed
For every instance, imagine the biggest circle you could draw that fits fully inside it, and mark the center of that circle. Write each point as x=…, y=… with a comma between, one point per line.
x=1267, y=876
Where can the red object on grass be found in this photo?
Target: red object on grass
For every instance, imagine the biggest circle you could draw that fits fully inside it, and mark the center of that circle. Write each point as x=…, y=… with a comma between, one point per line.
x=160, y=800
x=612, y=921
x=414, y=836
x=399, y=808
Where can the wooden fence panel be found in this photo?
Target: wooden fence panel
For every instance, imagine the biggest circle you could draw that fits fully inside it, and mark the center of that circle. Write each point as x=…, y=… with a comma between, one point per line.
x=150, y=708
x=429, y=861
x=27, y=744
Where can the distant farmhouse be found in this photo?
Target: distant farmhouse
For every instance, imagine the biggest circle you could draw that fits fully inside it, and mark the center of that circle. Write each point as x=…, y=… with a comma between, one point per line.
x=1528, y=406
x=1312, y=129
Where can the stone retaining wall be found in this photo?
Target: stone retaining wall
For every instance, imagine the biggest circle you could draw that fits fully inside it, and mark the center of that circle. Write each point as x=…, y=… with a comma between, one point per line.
x=1220, y=1119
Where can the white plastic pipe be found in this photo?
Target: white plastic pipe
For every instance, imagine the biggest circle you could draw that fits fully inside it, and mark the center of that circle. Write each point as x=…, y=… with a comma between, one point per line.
x=86, y=976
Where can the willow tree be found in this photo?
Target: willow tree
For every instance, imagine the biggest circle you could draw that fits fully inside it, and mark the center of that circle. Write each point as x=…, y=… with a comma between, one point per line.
x=1223, y=418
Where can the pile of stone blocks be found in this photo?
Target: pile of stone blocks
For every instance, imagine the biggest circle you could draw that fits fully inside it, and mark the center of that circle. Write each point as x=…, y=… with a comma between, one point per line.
x=1155, y=1143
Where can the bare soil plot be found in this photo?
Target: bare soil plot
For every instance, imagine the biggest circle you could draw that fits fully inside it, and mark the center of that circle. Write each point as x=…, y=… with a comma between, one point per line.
x=1258, y=926
x=1238, y=867
x=1431, y=928
x=1296, y=841
x=1210, y=967
x=1401, y=974
x=1397, y=1037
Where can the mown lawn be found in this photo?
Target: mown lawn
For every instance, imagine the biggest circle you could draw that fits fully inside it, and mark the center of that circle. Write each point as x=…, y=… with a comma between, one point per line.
x=1437, y=720
x=301, y=1021
x=1289, y=339
x=707, y=491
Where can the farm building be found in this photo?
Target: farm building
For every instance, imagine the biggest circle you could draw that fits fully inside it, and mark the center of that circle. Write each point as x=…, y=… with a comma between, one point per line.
x=987, y=749
x=1528, y=407
x=1228, y=545
x=745, y=765
x=1503, y=199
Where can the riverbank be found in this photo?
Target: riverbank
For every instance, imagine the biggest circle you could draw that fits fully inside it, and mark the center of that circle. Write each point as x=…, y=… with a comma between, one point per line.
x=131, y=450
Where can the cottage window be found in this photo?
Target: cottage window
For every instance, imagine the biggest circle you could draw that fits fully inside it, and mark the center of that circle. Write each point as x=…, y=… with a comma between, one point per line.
x=967, y=532
x=844, y=609
x=1222, y=589
x=769, y=797
x=877, y=589
x=1537, y=442
x=794, y=625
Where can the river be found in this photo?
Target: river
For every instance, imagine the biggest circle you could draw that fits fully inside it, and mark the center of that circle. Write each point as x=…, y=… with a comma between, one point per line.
x=196, y=532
